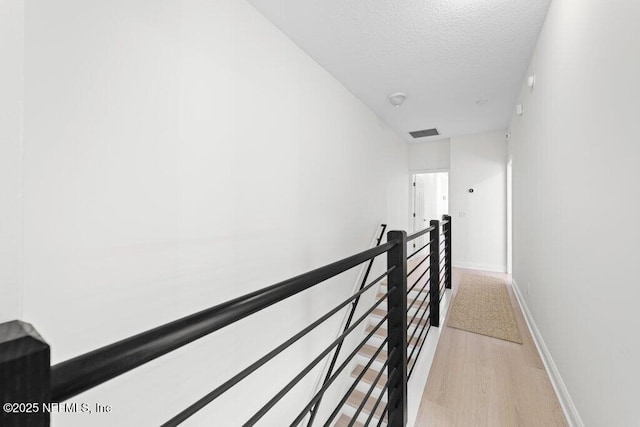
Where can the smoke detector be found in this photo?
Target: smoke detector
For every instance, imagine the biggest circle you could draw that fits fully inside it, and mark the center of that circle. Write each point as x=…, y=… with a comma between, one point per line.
x=397, y=98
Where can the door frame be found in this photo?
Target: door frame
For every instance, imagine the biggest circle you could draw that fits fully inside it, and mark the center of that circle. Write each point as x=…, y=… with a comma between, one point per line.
x=412, y=196
x=509, y=177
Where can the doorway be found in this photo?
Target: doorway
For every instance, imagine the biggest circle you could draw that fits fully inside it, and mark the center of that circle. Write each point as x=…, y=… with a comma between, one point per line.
x=430, y=201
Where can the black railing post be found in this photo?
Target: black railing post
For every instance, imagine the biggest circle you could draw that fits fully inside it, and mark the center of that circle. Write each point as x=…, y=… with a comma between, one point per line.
x=25, y=376
x=434, y=273
x=447, y=251
x=397, y=330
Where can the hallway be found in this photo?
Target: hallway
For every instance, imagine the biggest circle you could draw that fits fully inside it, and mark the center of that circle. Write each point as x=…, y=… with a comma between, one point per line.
x=201, y=201
x=477, y=380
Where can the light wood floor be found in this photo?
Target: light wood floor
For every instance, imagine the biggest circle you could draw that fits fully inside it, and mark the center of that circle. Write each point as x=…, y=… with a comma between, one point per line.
x=477, y=380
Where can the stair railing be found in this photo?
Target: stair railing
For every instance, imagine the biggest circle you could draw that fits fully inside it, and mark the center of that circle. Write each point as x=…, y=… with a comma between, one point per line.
x=26, y=376
x=430, y=293
x=347, y=324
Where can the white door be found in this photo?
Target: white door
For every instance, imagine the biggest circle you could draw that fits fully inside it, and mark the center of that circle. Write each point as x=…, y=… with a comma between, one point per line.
x=430, y=201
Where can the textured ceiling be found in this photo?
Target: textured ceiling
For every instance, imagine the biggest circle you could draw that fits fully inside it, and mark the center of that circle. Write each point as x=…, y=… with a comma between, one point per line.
x=445, y=54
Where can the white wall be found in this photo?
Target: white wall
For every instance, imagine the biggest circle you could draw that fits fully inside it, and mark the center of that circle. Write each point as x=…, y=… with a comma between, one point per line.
x=577, y=203
x=479, y=218
x=179, y=154
x=426, y=156
x=11, y=98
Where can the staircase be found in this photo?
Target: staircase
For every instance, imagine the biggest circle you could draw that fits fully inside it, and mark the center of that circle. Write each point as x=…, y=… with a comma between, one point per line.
x=419, y=312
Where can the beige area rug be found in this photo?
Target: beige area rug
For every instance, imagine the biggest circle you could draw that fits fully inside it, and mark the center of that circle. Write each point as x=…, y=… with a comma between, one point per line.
x=482, y=305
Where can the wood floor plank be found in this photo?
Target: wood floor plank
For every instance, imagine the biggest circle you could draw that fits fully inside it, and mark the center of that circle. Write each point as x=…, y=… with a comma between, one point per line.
x=476, y=380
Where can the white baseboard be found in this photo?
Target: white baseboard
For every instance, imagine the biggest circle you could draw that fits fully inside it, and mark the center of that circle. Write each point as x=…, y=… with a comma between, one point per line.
x=570, y=410
x=484, y=267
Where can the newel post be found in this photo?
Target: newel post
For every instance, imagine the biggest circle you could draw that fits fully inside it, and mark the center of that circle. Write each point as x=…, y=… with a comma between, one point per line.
x=447, y=251
x=25, y=376
x=434, y=273
x=397, y=330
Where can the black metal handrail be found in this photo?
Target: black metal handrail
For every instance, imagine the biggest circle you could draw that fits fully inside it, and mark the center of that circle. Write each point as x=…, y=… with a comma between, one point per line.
x=89, y=370
x=419, y=233
x=69, y=378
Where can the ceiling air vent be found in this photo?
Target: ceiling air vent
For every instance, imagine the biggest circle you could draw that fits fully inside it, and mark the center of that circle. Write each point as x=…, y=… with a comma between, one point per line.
x=425, y=132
